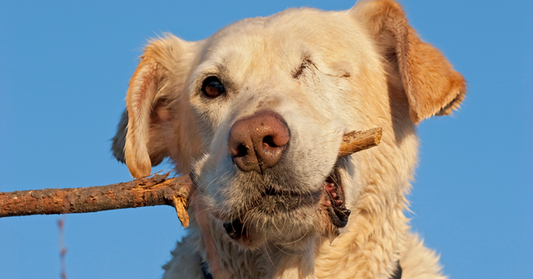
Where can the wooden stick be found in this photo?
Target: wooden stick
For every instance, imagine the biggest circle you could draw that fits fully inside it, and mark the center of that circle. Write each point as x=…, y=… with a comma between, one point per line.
x=149, y=191
x=356, y=141
x=155, y=190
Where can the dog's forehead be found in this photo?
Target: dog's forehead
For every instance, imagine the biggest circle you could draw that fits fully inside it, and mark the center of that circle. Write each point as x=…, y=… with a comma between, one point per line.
x=280, y=42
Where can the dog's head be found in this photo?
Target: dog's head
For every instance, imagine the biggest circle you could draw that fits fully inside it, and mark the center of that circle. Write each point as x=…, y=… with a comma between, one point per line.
x=257, y=111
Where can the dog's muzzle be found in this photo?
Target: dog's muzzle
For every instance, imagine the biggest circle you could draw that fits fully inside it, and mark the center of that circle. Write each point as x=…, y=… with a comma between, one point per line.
x=259, y=142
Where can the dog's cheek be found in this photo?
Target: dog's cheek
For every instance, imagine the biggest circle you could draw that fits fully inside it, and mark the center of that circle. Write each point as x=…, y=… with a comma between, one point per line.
x=214, y=173
x=212, y=116
x=349, y=174
x=313, y=153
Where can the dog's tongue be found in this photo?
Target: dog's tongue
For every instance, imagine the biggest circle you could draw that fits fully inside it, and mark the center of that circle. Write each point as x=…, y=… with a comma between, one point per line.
x=337, y=211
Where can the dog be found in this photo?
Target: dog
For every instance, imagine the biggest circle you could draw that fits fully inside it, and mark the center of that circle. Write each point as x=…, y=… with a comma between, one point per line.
x=256, y=114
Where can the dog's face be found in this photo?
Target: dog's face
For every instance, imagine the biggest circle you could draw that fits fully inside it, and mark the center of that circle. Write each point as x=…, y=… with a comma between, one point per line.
x=273, y=126
x=257, y=112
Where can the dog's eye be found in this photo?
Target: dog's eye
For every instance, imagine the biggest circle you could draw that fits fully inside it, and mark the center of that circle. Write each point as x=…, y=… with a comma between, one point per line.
x=212, y=87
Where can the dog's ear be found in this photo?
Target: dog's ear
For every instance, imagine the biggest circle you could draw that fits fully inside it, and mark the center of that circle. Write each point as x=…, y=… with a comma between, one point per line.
x=432, y=86
x=159, y=77
x=119, y=140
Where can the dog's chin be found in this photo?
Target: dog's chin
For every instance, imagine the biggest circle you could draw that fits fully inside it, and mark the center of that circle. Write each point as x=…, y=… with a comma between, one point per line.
x=288, y=229
x=288, y=218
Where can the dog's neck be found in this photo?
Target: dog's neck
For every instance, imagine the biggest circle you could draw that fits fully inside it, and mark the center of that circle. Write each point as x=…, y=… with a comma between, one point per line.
x=227, y=259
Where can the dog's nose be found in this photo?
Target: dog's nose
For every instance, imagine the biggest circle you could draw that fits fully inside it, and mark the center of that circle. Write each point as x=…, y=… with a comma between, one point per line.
x=257, y=142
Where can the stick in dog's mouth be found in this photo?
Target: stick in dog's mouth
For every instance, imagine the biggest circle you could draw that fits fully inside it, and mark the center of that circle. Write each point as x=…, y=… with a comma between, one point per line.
x=155, y=190
x=334, y=198
x=356, y=141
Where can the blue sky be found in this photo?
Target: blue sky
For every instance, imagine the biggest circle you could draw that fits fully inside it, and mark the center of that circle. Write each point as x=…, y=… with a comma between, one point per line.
x=64, y=68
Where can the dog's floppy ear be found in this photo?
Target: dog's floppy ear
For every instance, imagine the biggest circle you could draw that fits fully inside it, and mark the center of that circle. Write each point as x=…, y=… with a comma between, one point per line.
x=156, y=81
x=119, y=140
x=432, y=86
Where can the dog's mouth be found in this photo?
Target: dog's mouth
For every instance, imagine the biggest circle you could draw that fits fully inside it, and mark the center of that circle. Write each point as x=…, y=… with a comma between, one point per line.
x=329, y=199
x=334, y=200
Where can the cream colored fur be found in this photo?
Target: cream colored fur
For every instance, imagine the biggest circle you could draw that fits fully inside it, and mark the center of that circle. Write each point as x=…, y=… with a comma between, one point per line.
x=361, y=68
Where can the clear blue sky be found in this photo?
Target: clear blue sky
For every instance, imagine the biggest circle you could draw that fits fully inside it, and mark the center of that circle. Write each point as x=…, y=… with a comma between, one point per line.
x=64, y=68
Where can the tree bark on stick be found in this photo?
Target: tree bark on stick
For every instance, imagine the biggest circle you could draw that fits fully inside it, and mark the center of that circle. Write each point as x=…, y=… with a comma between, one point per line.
x=356, y=141
x=148, y=191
